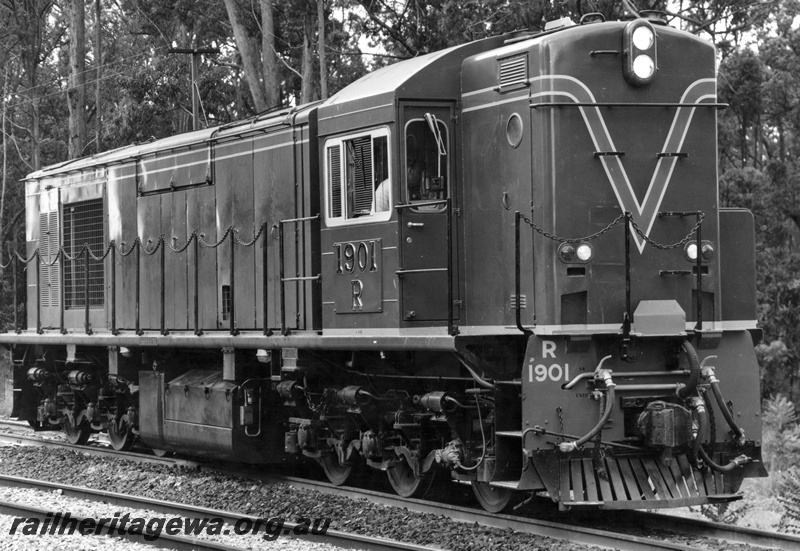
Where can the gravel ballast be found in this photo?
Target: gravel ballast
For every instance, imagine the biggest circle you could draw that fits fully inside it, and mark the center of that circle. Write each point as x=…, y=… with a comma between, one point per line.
x=255, y=499
x=250, y=498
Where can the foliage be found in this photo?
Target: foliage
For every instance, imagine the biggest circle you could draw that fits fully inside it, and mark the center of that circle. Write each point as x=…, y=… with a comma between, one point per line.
x=789, y=497
x=781, y=434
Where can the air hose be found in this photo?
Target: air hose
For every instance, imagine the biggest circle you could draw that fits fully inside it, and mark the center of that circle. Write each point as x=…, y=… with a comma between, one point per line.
x=605, y=375
x=684, y=391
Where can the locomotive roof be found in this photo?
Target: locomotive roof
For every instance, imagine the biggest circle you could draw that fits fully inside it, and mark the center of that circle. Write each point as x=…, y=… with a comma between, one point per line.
x=261, y=122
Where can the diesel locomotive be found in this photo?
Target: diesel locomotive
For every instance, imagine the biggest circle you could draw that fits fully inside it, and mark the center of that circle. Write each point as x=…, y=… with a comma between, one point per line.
x=503, y=263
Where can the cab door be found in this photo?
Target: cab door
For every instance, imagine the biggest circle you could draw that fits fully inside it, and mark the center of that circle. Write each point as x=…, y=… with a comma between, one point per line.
x=428, y=266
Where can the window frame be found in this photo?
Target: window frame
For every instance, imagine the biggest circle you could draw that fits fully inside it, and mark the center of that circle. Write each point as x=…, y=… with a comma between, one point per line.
x=340, y=142
x=404, y=175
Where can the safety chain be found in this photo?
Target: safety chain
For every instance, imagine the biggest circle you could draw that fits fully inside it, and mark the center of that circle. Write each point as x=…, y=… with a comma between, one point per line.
x=252, y=242
x=186, y=246
x=124, y=251
x=617, y=220
x=544, y=233
x=221, y=240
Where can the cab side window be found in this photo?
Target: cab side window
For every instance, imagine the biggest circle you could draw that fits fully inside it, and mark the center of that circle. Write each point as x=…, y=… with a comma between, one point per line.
x=426, y=160
x=357, y=177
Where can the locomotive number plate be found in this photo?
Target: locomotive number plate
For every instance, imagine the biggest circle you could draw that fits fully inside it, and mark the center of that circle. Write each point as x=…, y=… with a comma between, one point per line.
x=357, y=274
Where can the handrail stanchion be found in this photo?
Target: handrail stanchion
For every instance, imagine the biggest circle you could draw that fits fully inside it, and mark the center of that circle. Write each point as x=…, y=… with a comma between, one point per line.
x=163, y=314
x=281, y=275
x=60, y=257
x=38, y=259
x=232, y=305
x=264, y=279
x=86, y=323
x=137, y=308
x=626, y=323
x=197, y=330
x=699, y=325
x=451, y=329
x=113, y=269
x=14, y=286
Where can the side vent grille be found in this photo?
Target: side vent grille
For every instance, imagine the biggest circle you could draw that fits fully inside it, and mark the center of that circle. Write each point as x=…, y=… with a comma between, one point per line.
x=50, y=275
x=335, y=180
x=513, y=72
x=83, y=225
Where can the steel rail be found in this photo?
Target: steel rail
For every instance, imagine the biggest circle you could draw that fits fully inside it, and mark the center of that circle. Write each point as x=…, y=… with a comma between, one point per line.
x=331, y=537
x=584, y=535
x=101, y=451
x=588, y=536
x=709, y=529
x=556, y=530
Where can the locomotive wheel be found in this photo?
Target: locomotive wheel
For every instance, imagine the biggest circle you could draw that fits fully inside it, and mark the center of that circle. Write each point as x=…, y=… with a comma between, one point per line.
x=491, y=498
x=121, y=436
x=75, y=436
x=405, y=483
x=336, y=472
x=160, y=453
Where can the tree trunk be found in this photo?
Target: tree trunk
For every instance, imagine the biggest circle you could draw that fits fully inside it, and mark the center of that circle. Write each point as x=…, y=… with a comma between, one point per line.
x=5, y=165
x=269, y=56
x=76, y=95
x=98, y=59
x=307, y=70
x=323, y=64
x=248, y=49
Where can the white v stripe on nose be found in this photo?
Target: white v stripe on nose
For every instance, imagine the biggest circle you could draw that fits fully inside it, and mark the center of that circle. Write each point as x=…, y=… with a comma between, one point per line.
x=644, y=213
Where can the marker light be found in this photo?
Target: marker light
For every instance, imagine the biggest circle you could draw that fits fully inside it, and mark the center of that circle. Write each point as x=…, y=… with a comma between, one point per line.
x=584, y=252
x=566, y=252
x=691, y=252
x=706, y=250
x=639, y=52
x=575, y=254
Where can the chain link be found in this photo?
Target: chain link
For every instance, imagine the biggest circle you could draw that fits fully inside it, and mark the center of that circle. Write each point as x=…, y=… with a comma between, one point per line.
x=202, y=239
x=553, y=237
x=159, y=243
x=253, y=241
x=617, y=220
x=185, y=246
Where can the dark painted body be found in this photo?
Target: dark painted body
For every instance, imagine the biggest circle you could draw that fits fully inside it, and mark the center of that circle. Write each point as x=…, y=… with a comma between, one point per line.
x=339, y=280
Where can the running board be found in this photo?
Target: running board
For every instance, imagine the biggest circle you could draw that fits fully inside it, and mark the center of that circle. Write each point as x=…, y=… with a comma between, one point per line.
x=638, y=483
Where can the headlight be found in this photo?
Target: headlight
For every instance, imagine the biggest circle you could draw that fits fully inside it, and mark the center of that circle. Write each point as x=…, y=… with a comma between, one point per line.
x=643, y=37
x=639, y=61
x=644, y=66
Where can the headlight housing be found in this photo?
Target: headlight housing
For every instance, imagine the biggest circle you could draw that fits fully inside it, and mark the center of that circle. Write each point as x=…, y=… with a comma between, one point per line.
x=639, y=61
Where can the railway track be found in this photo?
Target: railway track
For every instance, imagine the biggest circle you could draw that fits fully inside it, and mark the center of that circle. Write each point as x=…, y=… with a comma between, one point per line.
x=331, y=537
x=564, y=530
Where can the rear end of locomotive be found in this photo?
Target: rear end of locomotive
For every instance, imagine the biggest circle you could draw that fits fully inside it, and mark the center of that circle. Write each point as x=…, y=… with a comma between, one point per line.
x=639, y=386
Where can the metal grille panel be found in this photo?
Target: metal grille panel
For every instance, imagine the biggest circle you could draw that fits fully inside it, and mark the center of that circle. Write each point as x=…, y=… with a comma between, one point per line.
x=513, y=71
x=83, y=224
x=50, y=276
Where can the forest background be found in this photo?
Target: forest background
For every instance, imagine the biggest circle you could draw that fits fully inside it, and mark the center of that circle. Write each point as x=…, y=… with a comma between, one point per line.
x=84, y=76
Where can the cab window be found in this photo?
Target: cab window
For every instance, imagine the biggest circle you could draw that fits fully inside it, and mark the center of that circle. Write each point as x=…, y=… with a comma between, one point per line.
x=357, y=177
x=426, y=160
